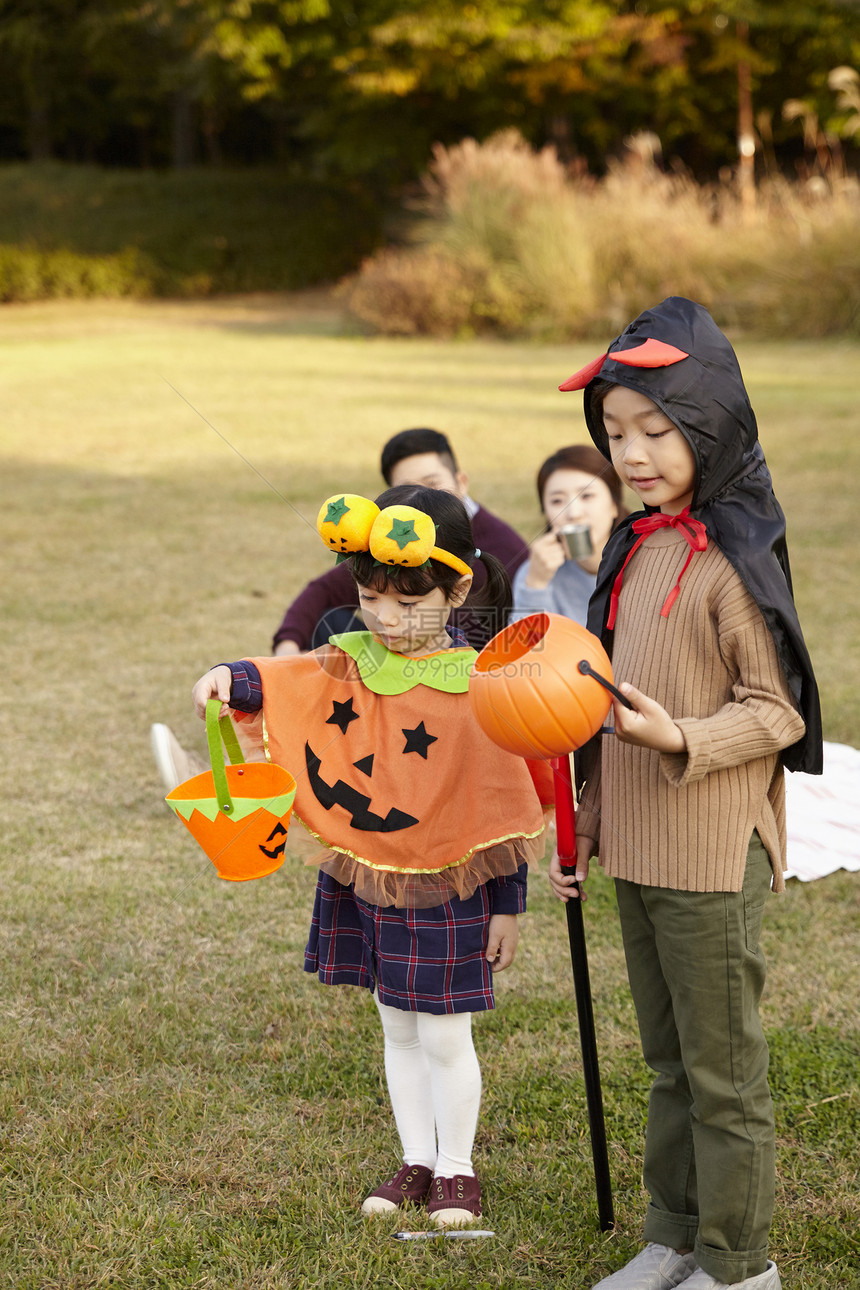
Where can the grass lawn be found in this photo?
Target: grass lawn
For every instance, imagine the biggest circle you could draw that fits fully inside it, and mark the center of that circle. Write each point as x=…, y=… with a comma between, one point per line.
x=180, y=1105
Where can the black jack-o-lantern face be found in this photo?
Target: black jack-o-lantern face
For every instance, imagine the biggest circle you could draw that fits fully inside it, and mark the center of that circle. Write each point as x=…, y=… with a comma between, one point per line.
x=416, y=740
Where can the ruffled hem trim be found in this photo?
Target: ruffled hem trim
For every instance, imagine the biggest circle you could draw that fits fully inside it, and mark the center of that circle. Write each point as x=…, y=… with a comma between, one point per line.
x=385, y=887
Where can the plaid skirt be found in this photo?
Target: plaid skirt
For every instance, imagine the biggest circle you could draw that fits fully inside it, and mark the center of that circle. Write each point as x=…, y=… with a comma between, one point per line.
x=420, y=960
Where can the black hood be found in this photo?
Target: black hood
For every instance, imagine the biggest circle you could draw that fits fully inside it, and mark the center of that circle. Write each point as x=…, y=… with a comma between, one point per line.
x=693, y=376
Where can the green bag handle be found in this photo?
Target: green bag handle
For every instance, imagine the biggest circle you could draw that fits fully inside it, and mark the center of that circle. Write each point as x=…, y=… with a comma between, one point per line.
x=218, y=729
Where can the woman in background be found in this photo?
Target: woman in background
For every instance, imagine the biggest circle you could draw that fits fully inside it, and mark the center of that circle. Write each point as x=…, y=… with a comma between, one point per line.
x=575, y=486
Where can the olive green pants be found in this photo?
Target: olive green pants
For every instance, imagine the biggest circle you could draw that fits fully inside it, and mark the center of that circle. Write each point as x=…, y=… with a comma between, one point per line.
x=696, y=974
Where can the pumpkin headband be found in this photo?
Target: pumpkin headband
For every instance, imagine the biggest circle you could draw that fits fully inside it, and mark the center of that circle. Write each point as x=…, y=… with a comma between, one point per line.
x=399, y=535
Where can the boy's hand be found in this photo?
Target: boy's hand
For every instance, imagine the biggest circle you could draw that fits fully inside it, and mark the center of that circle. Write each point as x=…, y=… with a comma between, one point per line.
x=216, y=684
x=647, y=725
x=564, y=884
x=502, y=937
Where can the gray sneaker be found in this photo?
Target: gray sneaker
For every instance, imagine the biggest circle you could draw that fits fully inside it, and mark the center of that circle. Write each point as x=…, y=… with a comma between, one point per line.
x=657, y=1267
x=702, y=1280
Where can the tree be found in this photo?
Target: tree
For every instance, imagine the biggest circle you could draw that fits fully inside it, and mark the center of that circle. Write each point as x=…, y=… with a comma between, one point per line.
x=338, y=86
x=41, y=41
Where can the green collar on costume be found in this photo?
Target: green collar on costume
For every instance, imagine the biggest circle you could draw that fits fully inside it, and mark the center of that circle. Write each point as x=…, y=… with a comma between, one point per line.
x=387, y=673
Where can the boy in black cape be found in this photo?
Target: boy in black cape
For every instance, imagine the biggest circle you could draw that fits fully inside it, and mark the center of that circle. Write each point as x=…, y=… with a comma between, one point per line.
x=685, y=804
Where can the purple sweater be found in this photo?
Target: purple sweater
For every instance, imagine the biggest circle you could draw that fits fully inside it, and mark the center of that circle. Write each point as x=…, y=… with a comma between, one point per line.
x=335, y=589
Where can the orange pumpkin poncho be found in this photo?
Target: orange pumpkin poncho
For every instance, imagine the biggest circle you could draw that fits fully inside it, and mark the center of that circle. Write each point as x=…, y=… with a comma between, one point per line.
x=414, y=804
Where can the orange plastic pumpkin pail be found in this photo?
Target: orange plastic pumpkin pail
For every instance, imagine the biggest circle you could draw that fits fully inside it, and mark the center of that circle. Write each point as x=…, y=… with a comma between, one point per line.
x=533, y=690
x=239, y=814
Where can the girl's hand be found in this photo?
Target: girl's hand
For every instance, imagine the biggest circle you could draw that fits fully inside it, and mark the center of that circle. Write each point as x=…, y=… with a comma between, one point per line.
x=216, y=684
x=647, y=725
x=502, y=937
x=547, y=557
x=564, y=884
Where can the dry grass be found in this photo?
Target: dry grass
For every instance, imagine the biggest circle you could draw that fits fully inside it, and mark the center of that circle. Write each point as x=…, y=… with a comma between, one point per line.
x=510, y=244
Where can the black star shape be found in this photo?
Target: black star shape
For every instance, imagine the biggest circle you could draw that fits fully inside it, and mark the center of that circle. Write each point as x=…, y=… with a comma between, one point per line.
x=342, y=715
x=418, y=740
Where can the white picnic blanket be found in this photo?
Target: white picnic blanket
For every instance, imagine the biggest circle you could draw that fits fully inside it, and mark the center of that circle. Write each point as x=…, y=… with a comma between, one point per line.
x=823, y=816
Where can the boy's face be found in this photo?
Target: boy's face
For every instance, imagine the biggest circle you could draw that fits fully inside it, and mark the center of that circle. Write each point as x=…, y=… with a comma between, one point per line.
x=648, y=451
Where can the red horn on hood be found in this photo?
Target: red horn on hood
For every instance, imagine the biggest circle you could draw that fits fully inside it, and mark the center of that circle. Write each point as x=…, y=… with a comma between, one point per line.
x=653, y=353
x=580, y=379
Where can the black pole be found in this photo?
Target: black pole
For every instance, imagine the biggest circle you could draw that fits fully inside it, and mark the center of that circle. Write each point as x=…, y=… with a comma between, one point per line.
x=582, y=990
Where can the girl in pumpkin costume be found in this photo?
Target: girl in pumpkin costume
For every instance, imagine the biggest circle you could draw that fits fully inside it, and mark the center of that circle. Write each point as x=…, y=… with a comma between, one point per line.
x=428, y=827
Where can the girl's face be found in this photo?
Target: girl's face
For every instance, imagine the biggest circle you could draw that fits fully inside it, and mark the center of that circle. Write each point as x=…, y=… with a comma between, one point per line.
x=410, y=625
x=575, y=497
x=648, y=451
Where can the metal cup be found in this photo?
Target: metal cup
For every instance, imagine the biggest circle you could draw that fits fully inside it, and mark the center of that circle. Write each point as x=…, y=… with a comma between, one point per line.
x=576, y=539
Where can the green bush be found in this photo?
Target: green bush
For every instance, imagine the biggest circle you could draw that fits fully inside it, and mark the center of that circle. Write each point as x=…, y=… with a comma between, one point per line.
x=84, y=231
x=521, y=248
x=27, y=273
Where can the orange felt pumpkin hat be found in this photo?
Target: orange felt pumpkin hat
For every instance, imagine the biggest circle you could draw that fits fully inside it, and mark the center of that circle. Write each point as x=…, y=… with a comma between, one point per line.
x=398, y=535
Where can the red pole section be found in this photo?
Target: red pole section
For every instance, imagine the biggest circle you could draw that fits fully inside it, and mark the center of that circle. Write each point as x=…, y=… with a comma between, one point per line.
x=564, y=814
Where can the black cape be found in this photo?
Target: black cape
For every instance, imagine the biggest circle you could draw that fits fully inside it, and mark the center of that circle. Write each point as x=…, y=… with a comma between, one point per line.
x=704, y=395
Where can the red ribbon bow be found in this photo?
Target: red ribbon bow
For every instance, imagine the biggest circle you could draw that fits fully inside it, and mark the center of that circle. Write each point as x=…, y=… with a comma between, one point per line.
x=693, y=530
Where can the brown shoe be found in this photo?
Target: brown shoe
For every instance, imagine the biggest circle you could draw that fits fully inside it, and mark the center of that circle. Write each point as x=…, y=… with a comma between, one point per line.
x=454, y=1201
x=409, y=1186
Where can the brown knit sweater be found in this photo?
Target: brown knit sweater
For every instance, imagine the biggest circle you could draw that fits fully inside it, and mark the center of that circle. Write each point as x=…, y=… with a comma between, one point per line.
x=684, y=820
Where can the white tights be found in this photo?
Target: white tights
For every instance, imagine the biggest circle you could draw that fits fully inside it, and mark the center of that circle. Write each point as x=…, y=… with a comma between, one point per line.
x=434, y=1082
